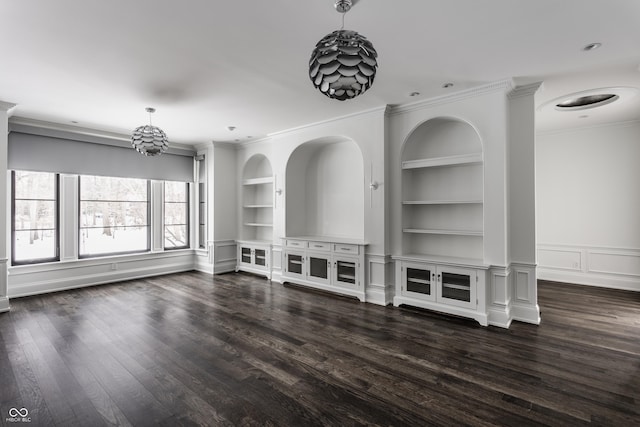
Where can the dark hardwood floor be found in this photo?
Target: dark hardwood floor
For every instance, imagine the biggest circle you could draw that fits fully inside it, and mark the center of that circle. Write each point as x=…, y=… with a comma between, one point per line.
x=185, y=349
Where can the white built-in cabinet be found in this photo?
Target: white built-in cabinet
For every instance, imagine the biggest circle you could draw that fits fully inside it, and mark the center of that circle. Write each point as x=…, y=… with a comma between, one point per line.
x=441, y=265
x=254, y=246
x=254, y=257
x=329, y=264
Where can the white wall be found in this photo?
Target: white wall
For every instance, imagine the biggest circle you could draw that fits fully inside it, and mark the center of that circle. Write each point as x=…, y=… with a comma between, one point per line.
x=588, y=205
x=325, y=190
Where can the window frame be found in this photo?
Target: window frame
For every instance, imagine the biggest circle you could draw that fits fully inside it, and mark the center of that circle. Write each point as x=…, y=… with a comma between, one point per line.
x=187, y=204
x=56, y=222
x=148, y=226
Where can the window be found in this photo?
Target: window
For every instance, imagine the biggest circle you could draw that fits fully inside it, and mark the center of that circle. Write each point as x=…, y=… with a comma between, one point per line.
x=176, y=215
x=34, y=217
x=114, y=215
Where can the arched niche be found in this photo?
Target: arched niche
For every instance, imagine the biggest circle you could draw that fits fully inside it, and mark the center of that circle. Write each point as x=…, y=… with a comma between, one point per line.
x=257, y=199
x=441, y=137
x=258, y=166
x=443, y=190
x=325, y=189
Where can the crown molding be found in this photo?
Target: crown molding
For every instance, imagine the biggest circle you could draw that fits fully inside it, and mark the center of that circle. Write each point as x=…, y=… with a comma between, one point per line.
x=224, y=144
x=525, y=90
x=382, y=109
x=7, y=106
x=500, y=85
x=83, y=134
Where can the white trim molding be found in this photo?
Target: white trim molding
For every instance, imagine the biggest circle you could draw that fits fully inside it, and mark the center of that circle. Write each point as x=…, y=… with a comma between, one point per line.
x=224, y=256
x=524, y=304
x=616, y=268
x=4, y=299
x=380, y=287
x=499, y=297
x=59, y=276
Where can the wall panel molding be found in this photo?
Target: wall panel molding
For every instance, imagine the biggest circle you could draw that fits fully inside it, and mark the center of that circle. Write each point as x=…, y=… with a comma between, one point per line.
x=617, y=268
x=52, y=277
x=379, y=288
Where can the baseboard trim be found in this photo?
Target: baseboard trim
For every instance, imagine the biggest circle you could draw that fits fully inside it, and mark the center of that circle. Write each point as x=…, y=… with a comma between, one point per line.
x=527, y=314
x=4, y=305
x=602, y=281
x=377, y=296
x=500, y=316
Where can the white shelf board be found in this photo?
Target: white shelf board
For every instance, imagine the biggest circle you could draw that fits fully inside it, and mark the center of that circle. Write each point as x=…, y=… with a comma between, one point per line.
x=257, y=206
x=257, y=181
x=442, y=202
x=464, y=159
x=256, y=224
x=445, y=232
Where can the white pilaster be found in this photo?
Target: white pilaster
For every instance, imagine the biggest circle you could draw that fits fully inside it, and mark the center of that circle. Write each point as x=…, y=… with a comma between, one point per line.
x=5, y=112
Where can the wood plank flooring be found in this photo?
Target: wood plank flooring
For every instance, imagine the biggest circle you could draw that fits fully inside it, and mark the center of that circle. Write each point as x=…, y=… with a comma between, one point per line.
x=186, y=349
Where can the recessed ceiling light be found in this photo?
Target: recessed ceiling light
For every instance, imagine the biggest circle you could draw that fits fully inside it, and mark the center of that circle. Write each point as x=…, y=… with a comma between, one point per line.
x=231, y=128
x=74, y=122
x=592, y=98
x=414, y=94
x=591, y=46
x=586, y=101
x=447, y=85
x=584, y=116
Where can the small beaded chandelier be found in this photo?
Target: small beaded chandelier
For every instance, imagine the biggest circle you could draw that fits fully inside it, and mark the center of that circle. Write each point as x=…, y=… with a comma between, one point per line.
x=149, y=140
x=343, y=64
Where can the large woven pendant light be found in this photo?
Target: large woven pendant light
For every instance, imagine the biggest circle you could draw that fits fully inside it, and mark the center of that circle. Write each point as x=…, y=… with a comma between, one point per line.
x=343, y=63
x=149, y=140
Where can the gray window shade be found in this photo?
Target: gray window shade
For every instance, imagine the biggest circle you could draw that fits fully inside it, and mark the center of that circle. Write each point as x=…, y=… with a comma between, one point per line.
x=61, y=155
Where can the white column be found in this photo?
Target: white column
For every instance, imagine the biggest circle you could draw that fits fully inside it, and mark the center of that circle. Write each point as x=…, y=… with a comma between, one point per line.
x=5, y=113
x=522, y=204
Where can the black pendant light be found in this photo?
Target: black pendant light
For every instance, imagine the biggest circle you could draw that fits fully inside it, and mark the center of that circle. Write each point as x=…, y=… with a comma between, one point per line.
x=343, y=63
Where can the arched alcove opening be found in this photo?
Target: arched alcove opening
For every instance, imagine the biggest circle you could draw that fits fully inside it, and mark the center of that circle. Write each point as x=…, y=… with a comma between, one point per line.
x=325, y=189
x=442, y=191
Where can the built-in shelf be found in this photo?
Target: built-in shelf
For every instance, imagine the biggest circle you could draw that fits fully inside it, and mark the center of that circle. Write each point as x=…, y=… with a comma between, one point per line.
x=443, y=232
x=442, y=202
x=465, y=159
x=256, y=224
x=258, y=181
x=257, y=206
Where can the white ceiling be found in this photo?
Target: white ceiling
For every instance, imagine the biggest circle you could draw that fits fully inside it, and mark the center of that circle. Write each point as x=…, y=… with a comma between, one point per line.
x=206, y=64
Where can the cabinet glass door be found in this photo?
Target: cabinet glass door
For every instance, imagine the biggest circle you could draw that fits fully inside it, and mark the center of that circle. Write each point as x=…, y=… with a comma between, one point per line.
x=261, y=257
x=346, y=272
x=456, y=286
x=245, y=255
x=294, y=263
x=419, y=281
x=318, y=268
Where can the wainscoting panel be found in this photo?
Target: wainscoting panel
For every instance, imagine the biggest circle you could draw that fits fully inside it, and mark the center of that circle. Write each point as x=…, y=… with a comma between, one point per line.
x=379, y=287
x=524, y=306
x=224, y=256
x=51, y=277
x=617, y=268
x=499, y=298
x=203, y=260
x=276, y=263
